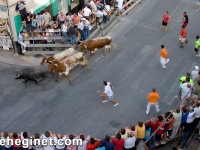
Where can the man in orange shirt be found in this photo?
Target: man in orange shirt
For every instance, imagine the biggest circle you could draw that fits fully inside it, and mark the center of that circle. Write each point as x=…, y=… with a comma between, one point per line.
x=182, y=37
x=152, y=99
x=163, y=59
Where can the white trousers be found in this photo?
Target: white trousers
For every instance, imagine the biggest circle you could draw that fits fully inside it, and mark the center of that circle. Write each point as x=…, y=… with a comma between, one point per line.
x=149, y=106
x=163, y=62
x=174, y=131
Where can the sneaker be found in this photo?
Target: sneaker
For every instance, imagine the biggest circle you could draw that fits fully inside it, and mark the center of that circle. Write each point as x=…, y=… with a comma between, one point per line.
x=116, y=104
x=24, y=51
x=158, y=111
x=164, y=142
x=104, y=101
x=147, y=113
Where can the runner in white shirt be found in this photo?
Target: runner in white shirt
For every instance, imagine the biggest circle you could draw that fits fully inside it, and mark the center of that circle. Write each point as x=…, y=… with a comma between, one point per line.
x=108, y=92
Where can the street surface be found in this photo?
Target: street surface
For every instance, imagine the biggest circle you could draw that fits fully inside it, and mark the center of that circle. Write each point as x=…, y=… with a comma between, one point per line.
x=133, y=69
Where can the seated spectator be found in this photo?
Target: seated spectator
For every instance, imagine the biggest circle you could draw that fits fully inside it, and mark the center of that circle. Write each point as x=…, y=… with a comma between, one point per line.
x=85, y=140
x=72, y=33
x=61, y=19
x=46, y=18
x=7, y=145
x=107, y=143
x=154, y=125
x=15, y=137
x=70, y=17
x=21, y=41
x=39, y=20
x=47, y=136
x=118, y=142
x=93, y=144
x=183, y=120
x=100, y=146
x=77, y=19
x=129, y=143
x=21, y=10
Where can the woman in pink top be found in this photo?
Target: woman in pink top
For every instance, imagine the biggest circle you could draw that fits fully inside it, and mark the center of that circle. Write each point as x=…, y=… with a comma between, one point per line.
x=166, y=19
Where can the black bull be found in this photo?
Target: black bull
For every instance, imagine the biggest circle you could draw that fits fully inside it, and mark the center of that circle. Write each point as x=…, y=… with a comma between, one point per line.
x=29, y=74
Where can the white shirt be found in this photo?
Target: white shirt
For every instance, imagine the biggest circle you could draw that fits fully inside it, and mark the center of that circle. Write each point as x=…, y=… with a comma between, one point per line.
x=58, y=145
x=185, y=92
x=81, y=26
x=87, y=23
x=46, y=17
x=194, y=74
x=129, y=142
x=86, y=12
x=197, y=112
x=64, y=28
x=120, y=3
x=106, y=9
x=107, y=89
x=93, y=6
x=29, y=141
x=190, y=117
x=99, y=14
x=83, y=147
x=47, y=147
x=7, y=145
x=177, y=118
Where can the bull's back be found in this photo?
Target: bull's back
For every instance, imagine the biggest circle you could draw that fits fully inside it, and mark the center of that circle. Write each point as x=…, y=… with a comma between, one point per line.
x=98, y=43
x=64, y=54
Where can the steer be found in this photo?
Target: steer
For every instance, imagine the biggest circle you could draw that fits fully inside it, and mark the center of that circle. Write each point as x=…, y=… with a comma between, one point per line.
x=97, y=43
x=58, y=56
x=67, y=64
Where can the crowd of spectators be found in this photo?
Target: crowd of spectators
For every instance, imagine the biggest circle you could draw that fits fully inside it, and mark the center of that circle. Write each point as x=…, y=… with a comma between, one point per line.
x=153, y=132
x=72, y=27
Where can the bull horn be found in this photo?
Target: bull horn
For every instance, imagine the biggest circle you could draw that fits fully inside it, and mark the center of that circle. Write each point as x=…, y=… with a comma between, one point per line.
x=17, y=75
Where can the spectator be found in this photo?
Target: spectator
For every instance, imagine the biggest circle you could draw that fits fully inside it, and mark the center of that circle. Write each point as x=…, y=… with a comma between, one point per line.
x=70, y=17
x=61, y=19
x=46, y=18
x=39, y=20
x=47, y=136
x=80, y=14
x=198, y=76
x=86, y=13
x=15, y=137
x=94, y=10
x=77, y=19
x=33, y=22
x=72, y=146
x=55, y=140
x=99, y=15
x=147, y=133
x=129, y=143
x=123, y=133
x=85, y=141
x=195, y=72
x=37, y=145
x=100, y=146
x=160, y=131
x=64, y=32
x=21, y=10
x=197, y=114
x=119, y=6
x=154, y=125
x=190, y=119
x=81, y=30
x=105, y=13
x=183, y=120
x=196, y=90
x=131, y=130
x=118, y=142
x=99, y=5
x=28, y=23
x=72, y=33
x=55, y=25
x=21, y=41
x=24, y=135
x=107, y=143
x=93, y=144
x=177, y=121
x=170, y=122
x=86, y=28
x=185, y=94
x=7, y=146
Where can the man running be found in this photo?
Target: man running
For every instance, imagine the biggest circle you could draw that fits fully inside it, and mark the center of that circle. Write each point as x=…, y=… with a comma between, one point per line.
x=164, y=58
x=197, y=45
x=108, y=92
x=166, y=20
x=182, y=37
x=185, y=20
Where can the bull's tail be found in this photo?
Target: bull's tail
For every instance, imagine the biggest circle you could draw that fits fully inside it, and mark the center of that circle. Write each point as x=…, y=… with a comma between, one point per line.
x=115, y=46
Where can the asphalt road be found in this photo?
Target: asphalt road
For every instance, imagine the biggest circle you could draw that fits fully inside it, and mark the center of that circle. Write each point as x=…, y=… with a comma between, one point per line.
x=133, y=69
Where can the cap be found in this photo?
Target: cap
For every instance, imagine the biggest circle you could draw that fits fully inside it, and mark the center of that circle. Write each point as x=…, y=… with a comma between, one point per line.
x=196, y=68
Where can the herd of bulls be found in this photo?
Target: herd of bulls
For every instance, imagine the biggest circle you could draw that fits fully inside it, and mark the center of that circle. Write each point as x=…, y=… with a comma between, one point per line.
x=66, y=60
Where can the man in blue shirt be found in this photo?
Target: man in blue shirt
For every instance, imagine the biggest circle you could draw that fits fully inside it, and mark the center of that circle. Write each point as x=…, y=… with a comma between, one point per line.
x=107, y=143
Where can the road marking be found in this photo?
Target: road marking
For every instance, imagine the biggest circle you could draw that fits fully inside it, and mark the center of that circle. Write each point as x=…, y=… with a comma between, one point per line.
x=174, y=87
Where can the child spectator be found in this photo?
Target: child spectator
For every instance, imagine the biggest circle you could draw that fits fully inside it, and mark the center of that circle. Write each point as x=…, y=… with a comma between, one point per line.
x=39, y=20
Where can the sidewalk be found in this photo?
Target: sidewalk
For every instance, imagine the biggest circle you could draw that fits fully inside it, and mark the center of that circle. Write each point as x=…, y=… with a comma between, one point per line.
x=12, y=58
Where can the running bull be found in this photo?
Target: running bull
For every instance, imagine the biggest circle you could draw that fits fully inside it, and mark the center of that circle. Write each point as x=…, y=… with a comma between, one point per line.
x=29, y=74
